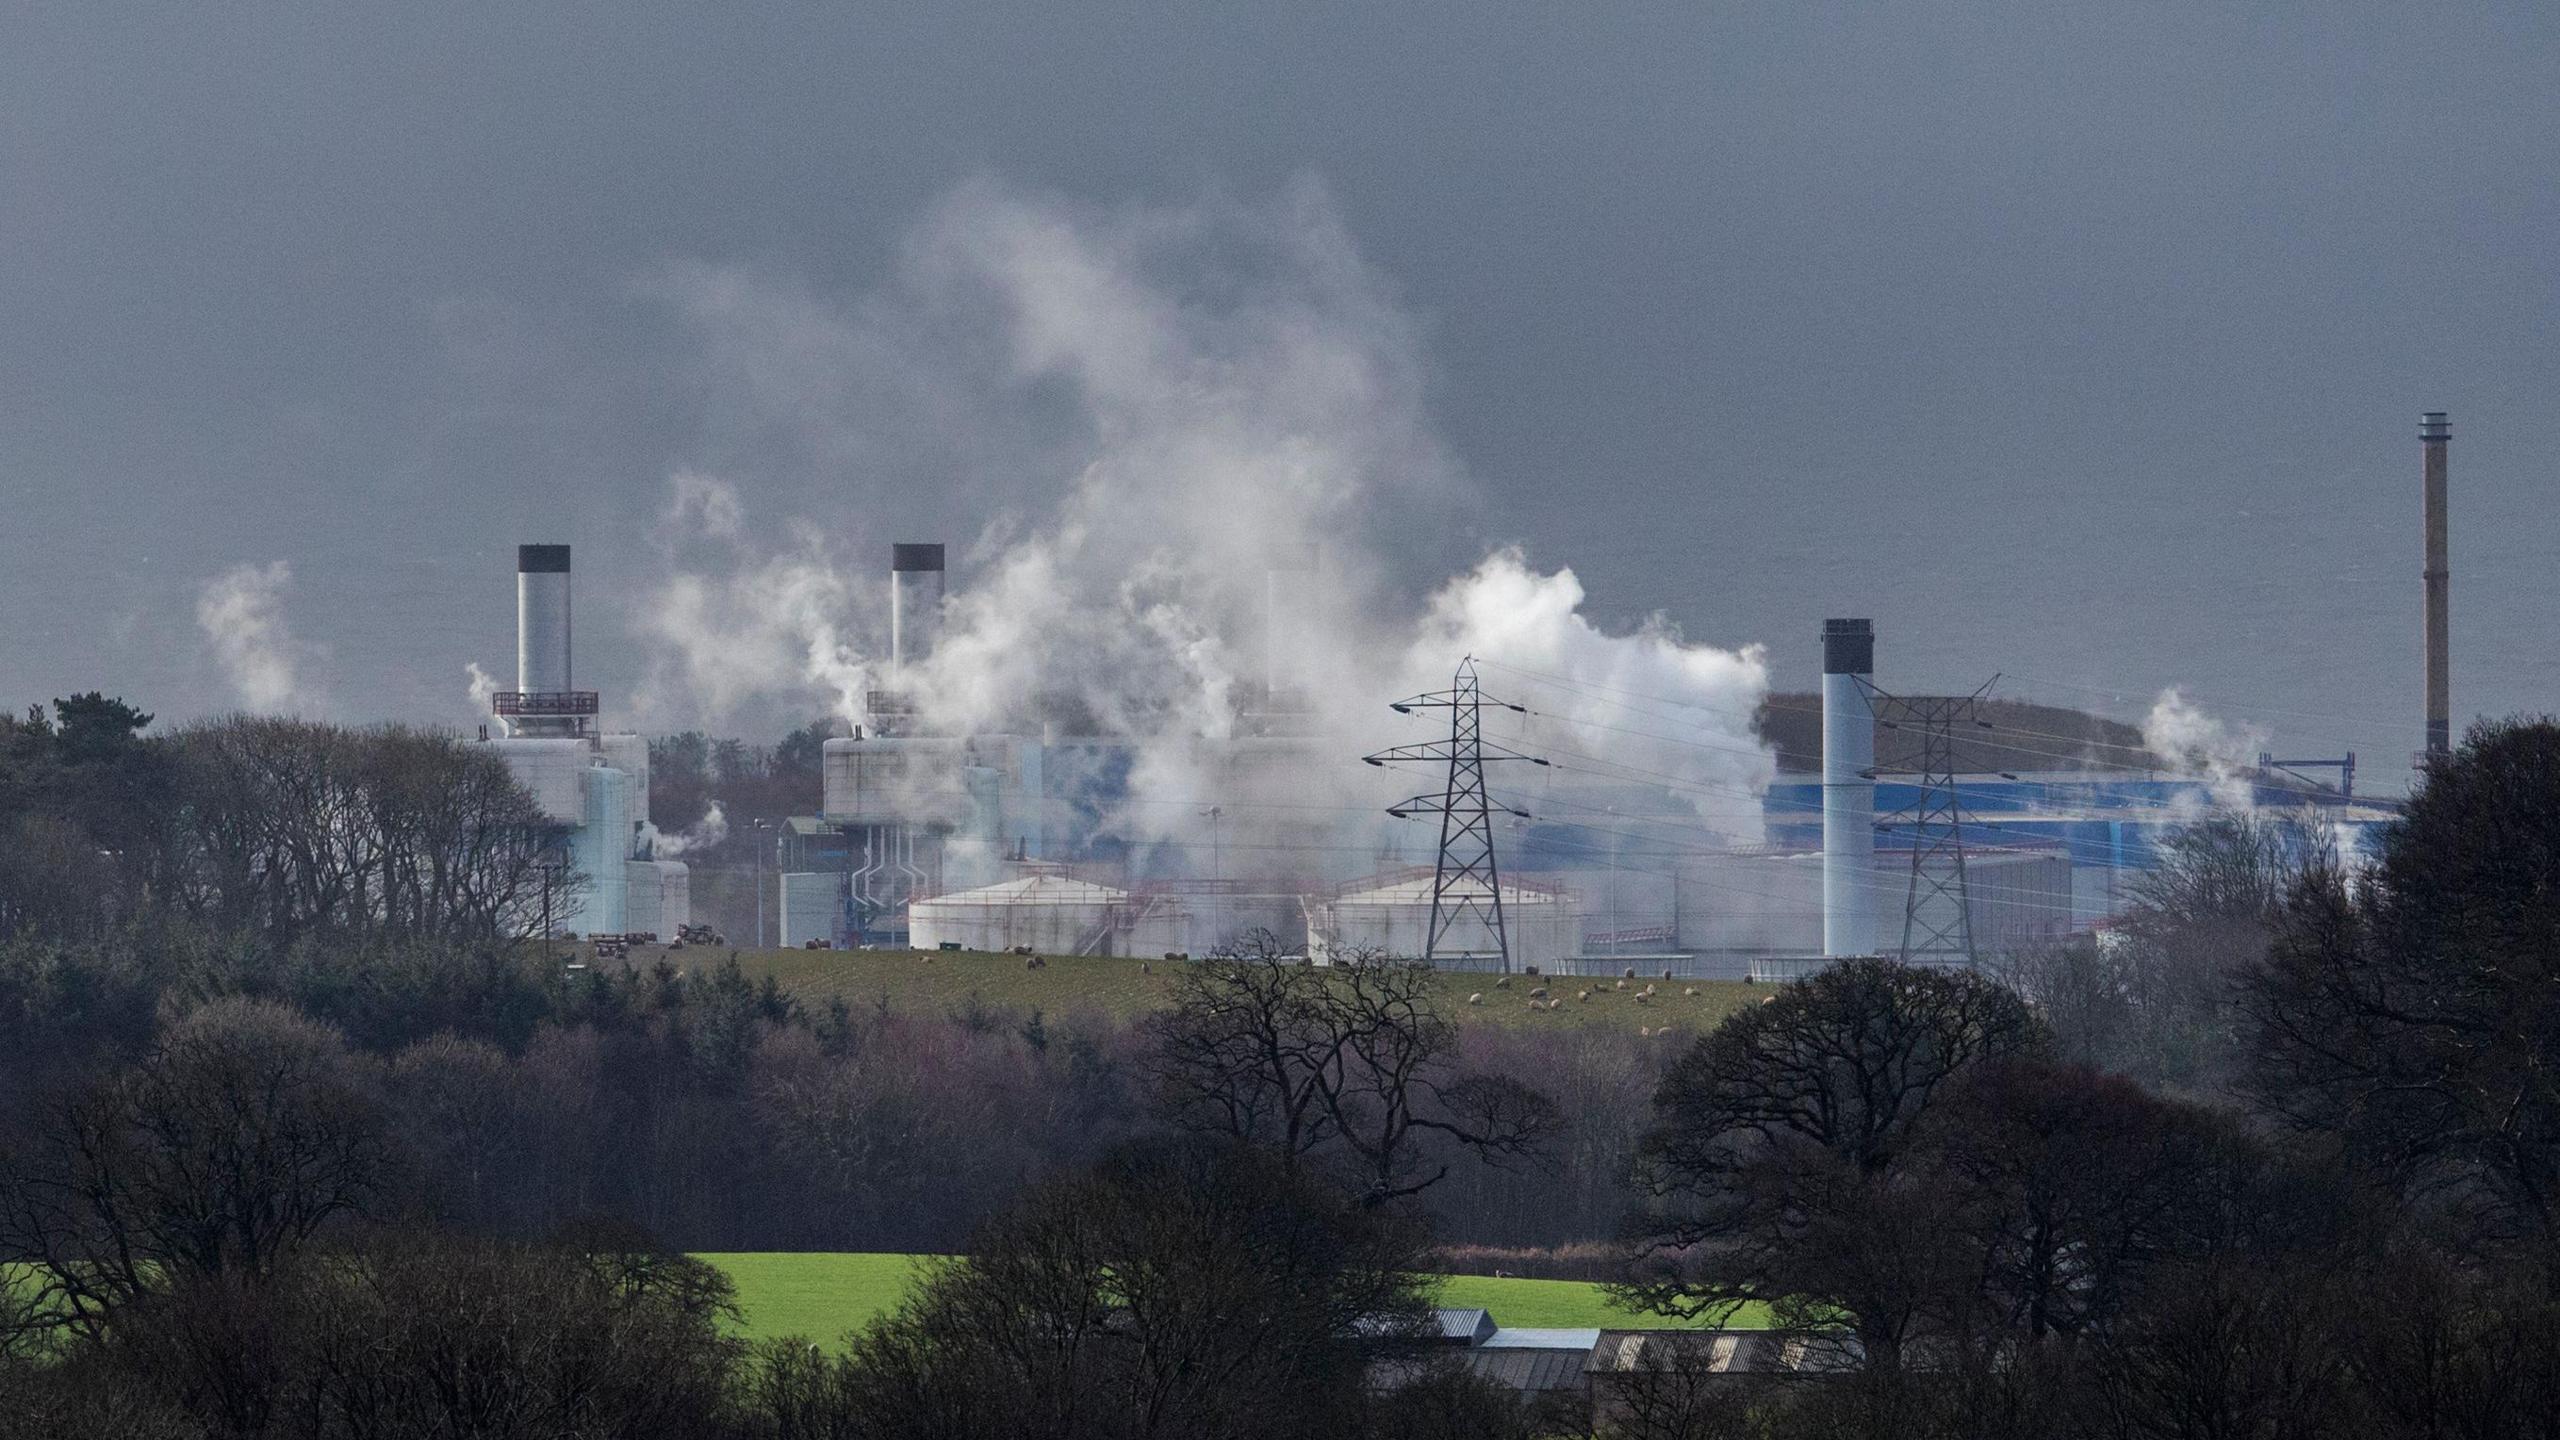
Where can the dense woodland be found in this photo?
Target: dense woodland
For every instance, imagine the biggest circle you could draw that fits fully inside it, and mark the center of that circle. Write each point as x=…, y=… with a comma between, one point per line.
x=301, y=1136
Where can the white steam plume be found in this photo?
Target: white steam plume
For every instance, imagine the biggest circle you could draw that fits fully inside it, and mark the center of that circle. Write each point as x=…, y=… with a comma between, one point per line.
x=483, y=686
x=241, y=613
x=1178, y=399
x=702, y=834
x=2223, y=755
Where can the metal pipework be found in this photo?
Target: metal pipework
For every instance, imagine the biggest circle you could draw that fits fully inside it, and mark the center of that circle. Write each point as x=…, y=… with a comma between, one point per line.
x=2433, y=431
x=1848, y=788
x=915, y=601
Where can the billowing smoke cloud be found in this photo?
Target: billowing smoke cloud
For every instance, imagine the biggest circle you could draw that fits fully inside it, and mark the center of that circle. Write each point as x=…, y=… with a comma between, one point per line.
x=702, y=834
x=2224, y=755
x=1182, y=400
x=735, y=627
x=241, y=613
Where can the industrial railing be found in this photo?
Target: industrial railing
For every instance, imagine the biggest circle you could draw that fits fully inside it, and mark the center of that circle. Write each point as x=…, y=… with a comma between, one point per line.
x=542, y=703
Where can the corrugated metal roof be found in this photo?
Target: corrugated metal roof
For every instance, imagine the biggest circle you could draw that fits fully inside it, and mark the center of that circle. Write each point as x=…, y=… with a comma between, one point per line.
x=1529, y=1371
x=1735, y=1352
x=1535, y=1338
x=1469, y=1325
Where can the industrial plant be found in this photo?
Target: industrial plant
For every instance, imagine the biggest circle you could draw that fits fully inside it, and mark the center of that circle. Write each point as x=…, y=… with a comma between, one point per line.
x=1940, y=828
x=592, y=782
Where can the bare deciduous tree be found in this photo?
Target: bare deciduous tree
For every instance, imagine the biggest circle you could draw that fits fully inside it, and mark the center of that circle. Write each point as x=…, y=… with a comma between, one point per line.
x=1352, y=1058
x=244, y=1133
x=288, y=828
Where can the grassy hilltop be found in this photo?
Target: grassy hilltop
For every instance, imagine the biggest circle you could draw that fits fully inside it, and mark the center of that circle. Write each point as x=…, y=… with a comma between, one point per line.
x=1126, y=987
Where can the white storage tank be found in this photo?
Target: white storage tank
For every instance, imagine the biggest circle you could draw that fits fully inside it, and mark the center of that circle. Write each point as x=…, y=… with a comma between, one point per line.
x=1393, y=919
x=1046, y=909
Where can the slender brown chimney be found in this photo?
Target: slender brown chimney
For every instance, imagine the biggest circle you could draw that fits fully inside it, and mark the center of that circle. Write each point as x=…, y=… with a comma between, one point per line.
x=2433, y=431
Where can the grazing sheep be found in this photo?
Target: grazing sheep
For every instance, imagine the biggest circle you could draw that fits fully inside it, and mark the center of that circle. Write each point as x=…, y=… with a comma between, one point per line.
x=1648, y=988
x=1502, y=982
x=1622, y=984
x=1691, y=992
x=1476, y=999
x=1666, y=972
x=1146, y=969
x=1631, y=972
x=1644, y=999
x=1584, y=996
x=1538, y=994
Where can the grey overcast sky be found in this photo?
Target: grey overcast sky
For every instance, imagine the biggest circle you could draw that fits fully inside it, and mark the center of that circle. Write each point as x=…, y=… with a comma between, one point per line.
x=2082, y=342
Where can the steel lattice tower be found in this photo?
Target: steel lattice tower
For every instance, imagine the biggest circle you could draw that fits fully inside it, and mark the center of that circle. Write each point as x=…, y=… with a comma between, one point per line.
x=1466, y=882
x=1937, y=910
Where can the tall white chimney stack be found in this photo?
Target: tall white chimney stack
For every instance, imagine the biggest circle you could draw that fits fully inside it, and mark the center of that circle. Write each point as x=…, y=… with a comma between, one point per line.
x=915, y=602
x=542, y=619
x=1848, y=788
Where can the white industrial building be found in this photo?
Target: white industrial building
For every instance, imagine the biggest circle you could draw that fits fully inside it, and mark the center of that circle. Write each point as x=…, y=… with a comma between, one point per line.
x=594, y=785
x=1770, y=901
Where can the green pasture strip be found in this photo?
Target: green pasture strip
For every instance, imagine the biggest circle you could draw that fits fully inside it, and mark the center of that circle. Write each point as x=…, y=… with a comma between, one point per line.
x=817, y=1296
x=1127, y=986
x=1563, y=1305
x=823, y=1297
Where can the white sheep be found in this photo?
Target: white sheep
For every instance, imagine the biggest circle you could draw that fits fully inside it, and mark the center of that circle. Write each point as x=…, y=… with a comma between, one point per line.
x=1691, y=992
x=1622, y=984
x=1585, y=996
x=1538, y=994
x=1502, y=983
x=1476, y=999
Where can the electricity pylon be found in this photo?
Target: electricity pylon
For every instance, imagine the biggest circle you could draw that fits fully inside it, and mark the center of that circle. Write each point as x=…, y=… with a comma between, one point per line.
x=1466, y=882
x=1937, y=910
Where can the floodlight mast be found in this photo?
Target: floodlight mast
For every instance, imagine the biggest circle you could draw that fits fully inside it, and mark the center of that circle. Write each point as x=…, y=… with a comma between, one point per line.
x=1466, y=880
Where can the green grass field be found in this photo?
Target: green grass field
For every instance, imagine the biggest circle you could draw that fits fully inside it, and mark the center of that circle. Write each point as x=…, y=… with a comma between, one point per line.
x=821, y=1297
x=816, y=1296
x=1127, y=986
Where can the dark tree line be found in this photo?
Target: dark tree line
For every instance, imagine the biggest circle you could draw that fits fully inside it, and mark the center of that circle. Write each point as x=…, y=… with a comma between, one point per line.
x=261, y=832
x=2333, y=1216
